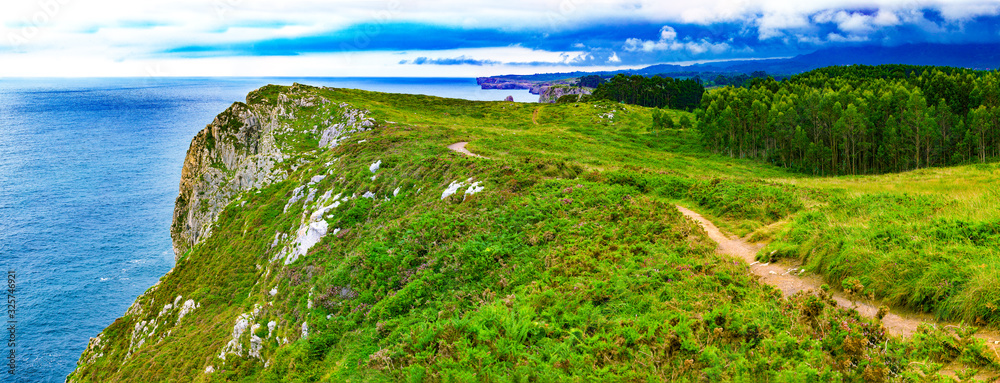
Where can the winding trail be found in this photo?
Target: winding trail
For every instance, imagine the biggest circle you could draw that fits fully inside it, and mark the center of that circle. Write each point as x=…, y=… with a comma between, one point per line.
x=460, y=147
x=788, y=280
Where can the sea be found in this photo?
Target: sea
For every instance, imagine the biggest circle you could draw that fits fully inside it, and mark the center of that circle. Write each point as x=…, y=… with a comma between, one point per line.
x=89, y=169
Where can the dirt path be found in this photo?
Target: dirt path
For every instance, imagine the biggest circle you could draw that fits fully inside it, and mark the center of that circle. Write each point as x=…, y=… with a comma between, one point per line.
x=460, y=147
x=787, y=279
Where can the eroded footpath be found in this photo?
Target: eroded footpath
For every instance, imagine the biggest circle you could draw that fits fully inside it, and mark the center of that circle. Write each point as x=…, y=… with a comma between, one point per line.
x=789, y=280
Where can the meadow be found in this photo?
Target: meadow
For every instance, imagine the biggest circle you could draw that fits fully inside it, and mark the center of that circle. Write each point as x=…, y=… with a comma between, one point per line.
x=571, y=264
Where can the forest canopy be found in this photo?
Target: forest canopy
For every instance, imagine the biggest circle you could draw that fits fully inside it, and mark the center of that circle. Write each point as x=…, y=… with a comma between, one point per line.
x=654, y=92
x=858, y=119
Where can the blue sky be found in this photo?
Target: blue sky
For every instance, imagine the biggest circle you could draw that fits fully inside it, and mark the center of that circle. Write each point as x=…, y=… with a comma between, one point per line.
x=453, y=38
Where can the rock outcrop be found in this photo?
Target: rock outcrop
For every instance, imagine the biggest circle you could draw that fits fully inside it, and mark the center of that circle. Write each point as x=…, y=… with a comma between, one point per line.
x=238, y=152
x=235, y=153
x=248, y=147
x=552, y=93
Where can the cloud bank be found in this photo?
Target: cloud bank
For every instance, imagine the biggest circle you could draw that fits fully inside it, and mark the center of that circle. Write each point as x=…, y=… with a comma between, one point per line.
x=437, y=37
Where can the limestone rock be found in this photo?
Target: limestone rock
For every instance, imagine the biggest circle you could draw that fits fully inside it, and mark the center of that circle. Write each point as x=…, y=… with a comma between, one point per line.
x=552, y=93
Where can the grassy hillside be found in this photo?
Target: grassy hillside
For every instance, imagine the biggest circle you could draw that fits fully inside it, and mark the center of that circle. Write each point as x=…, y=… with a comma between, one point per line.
x=561, y=257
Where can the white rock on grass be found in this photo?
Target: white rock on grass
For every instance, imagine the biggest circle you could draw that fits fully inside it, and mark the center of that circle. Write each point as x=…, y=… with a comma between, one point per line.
x=209, y=369
x=305, y=330
x=306, y=238
x=474, y=188
x=368, y=194
x=188, y=307
x=166, y=308
x=256, y=344
x=395, y=192
x=312, y=195
x=375, y=166
x=316, y=179
x=270, y=327
x=452, y=189
x=297, y=194
x=278, y=236
x=234, y=345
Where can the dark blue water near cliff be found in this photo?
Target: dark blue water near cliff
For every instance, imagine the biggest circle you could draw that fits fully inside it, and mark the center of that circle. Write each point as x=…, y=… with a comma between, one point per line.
x=89, y=170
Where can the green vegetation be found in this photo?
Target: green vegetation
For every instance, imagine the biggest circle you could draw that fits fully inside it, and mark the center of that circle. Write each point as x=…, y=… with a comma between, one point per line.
x=859, y=119
x=572, y=263
x=927, y=240
x=655, y=92
x=590, y=81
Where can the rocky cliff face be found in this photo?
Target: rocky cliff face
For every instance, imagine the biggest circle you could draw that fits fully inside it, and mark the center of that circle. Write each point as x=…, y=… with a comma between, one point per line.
x=552, y=93
x=238, y=152
x=246, y=149
x=235, y=153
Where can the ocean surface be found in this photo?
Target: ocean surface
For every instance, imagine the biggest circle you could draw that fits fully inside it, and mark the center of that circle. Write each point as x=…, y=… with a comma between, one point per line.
x=89, y=169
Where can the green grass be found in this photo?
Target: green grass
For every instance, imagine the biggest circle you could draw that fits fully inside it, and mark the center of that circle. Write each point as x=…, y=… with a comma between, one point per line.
x=571, y=265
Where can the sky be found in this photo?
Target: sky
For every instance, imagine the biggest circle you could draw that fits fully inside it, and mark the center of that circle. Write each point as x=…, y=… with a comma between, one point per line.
x=452, y=38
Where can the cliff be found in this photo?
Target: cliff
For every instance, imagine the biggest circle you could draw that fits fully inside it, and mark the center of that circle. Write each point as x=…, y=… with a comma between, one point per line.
x=330, y=235
x=533, y=86
x=239, y=152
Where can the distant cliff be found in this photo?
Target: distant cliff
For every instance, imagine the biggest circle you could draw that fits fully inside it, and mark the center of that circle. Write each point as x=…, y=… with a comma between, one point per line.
x=507, y=82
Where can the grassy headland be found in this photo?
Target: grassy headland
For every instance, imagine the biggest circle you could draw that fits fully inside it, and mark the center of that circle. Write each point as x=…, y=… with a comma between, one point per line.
x=570, y=264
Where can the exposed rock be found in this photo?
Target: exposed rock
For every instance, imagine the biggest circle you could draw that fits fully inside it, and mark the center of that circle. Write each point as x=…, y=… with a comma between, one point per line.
x=235, y=345
x=474, y=188
x=509, y=99
x=452, y=189
x=552, y=93
x=189, y=306
x=306, y=238
x=237, y=152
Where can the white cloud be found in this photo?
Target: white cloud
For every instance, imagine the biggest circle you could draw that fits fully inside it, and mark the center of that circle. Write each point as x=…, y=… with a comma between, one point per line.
x=965, y=10
x=773, y=25
x=838, y=38
x=667, y=33
x=614, y=58
x=668, y=42
x=129, y=32
x=886, y=18
x=354, y=64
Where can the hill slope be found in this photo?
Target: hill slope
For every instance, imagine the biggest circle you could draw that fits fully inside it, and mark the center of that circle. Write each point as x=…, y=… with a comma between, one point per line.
x=972, y=56
x=329, y=235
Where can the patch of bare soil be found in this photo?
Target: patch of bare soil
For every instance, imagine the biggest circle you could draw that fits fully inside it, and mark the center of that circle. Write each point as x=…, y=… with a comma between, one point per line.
x=789, y=280
x=460, y=147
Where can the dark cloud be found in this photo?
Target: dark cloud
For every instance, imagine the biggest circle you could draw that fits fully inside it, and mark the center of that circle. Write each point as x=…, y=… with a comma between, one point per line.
x=635, y=43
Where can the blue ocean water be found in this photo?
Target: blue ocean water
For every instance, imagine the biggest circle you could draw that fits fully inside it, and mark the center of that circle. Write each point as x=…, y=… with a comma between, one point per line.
x=89, y=169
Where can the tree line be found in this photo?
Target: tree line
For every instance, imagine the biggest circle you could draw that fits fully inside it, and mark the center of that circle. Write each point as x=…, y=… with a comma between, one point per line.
x=653, y=92
x=858, y=119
